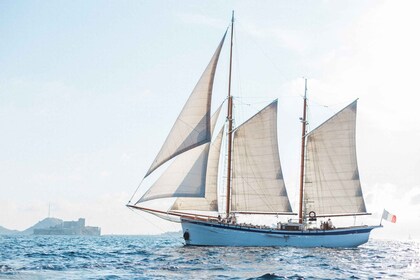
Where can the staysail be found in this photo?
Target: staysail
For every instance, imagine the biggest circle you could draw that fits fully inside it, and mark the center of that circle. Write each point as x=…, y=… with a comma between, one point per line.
x=332, y=184
x=209, y=201
x=192, y=127
x=258, y=184
x=192, y=175
x=185, y=177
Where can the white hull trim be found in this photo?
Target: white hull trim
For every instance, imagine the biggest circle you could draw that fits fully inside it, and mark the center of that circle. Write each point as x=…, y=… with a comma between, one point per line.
x=202, y=233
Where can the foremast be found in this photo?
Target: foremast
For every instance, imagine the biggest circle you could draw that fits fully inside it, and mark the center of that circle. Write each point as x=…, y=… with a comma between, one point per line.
x=302, y=155
x=230, y=126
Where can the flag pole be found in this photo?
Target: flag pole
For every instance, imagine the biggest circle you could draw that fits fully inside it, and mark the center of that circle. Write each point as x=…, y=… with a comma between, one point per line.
x=382, y=217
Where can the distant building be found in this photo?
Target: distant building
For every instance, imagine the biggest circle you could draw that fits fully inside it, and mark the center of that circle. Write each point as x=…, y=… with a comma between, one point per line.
x=69, y=228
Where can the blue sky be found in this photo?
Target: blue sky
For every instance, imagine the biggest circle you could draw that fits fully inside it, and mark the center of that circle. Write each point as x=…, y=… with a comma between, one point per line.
x=90, y=89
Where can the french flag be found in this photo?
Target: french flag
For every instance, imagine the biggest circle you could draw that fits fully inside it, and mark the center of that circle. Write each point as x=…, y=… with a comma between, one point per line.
x=389, y=217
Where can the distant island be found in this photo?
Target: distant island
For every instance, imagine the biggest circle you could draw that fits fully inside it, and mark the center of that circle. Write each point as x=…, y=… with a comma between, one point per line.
x=54, y=226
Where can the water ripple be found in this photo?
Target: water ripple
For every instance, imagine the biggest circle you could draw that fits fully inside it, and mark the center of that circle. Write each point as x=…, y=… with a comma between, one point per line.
x=160, y=257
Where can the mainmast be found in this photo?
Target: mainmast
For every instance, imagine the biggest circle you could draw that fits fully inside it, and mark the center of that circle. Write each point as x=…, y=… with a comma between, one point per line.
x=302, y=157
x=229, y=132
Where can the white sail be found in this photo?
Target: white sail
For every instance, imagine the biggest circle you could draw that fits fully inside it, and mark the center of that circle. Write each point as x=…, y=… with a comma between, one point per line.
x=192, y=127
x=332, y=184
x=185, y=177
x=214, y=118
x=257, y=179
x=209, y=201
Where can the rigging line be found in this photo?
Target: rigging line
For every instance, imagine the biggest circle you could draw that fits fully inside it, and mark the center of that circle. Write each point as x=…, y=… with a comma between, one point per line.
x=170, y=234
x=237, y=114
x=264, y=53
x=194, y=128
x=243, y=103
x=268, y=97
x=331, y=107
x=254, y=108
x=135, y=191
x=238, y=68
x=257, y=109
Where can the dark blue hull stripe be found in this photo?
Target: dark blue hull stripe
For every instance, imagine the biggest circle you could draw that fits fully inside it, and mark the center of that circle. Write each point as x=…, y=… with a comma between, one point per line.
x=284, y=232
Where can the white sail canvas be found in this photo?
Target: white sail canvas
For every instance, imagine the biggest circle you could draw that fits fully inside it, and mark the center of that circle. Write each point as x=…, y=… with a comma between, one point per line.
x=257, y=181
x=192, y=127
x=185, y=177
x=209, y=201
x=332, y=184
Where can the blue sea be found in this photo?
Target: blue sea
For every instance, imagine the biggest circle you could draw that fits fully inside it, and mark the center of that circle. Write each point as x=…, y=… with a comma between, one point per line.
x=165, y=257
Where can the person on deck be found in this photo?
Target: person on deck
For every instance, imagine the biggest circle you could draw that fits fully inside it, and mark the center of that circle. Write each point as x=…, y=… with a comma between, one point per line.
x=329, y=224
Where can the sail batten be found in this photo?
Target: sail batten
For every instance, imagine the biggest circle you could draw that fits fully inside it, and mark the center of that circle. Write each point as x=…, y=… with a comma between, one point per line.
x=193, y=126
x=258, y=184
x=332, y=184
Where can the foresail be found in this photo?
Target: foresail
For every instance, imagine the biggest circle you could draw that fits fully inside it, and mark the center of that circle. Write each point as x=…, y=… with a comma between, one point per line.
x=332, y=184
x=209, y=201
x=257, y=179
x=185, y=177
x=192, y=127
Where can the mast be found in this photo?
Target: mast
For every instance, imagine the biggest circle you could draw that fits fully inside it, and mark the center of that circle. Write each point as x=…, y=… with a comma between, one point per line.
x=302, y=157
x=229, y=133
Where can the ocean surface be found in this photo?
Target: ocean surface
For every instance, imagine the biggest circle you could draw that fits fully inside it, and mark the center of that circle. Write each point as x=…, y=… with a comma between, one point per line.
x=165, y=257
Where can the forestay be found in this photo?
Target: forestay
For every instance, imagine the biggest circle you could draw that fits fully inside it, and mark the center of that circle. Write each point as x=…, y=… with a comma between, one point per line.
x=257, y=181
x=332, y=184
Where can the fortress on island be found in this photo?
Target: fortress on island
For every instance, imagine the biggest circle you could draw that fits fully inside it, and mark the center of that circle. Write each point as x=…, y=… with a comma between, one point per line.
x=69, y=228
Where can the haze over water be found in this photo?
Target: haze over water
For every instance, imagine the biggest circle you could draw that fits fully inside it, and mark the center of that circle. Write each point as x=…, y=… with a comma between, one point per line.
x=165, y=257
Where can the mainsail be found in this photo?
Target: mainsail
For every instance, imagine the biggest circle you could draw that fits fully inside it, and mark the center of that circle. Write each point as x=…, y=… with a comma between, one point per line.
x=258, y=184
x=192, y=127
x=332, y=184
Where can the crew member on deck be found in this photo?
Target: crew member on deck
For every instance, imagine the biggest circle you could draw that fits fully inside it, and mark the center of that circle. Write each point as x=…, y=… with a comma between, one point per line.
x=329, y=224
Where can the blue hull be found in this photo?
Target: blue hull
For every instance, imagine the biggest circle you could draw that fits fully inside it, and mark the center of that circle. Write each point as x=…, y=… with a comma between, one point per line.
x=201, y=233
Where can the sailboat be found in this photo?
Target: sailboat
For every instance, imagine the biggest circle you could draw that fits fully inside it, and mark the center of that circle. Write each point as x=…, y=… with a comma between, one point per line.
x=254, y=185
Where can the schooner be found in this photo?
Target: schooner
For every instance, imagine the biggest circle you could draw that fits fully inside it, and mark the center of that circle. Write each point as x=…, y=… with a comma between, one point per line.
x=329, y=176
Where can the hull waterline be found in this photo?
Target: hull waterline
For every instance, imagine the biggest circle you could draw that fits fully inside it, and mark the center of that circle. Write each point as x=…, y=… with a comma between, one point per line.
x=201, y=233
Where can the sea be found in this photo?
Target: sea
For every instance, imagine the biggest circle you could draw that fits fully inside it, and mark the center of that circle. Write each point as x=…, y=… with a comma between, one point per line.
x=166, y=257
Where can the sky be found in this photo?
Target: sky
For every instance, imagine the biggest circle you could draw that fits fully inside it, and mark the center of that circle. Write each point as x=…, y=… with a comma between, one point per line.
x=90, y=89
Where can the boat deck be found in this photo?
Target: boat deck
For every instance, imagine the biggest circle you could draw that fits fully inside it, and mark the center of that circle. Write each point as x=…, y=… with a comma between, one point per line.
x=281, y=228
